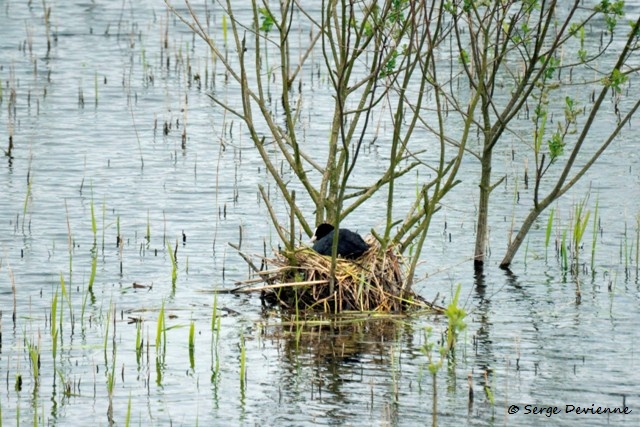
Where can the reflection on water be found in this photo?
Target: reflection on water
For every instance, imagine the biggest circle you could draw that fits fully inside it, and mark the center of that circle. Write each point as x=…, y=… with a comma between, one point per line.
x=118, y=153
x=359, y=370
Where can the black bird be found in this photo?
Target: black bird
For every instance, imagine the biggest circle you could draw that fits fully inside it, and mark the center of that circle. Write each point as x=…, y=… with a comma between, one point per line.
x=350, y=244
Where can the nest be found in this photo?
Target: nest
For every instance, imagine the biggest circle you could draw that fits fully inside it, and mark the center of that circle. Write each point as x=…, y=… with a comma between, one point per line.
x=302, y=279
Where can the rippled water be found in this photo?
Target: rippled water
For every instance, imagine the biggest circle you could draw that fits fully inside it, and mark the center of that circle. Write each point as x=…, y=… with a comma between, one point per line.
x=88, y=127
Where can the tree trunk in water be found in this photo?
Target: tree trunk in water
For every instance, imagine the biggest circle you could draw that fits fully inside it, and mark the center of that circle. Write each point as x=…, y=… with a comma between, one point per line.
x=483, y=212
x=513, y=247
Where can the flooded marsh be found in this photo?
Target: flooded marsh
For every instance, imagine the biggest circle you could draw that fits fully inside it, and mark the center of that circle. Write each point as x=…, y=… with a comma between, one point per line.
x=123, y=184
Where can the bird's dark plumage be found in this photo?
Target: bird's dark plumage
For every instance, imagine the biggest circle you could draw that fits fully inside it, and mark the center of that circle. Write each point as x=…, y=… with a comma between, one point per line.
x=350, y=244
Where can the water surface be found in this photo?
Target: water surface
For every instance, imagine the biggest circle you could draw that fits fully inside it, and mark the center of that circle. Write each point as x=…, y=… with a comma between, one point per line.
x=88, y=126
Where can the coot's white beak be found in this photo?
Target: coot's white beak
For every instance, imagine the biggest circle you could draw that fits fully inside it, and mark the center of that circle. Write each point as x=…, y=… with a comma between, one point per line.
x=314, y=238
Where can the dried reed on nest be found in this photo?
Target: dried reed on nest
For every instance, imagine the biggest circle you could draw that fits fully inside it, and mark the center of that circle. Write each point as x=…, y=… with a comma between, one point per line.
x=372, y=282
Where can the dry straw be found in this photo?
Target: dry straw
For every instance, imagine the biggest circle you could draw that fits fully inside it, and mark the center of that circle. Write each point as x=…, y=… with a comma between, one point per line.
x=373, y=282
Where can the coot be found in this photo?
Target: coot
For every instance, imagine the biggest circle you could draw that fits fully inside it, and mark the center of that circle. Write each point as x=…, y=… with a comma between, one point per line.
x=350, y=244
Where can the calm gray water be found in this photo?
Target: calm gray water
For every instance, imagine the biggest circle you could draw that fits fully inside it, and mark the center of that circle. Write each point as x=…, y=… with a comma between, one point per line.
x=88, y=130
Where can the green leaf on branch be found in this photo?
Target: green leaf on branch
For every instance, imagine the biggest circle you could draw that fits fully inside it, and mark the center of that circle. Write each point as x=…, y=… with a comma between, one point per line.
x=573, y=29
x=464, y=57
x=267, y=19
x=556, y=145
x=612, y=11
x=450, y=7
x=390, y=66
x=551, y=68
x=571, y=111
x=609, y=7
x=396, y=14
x=582, y=55
x=615, y=80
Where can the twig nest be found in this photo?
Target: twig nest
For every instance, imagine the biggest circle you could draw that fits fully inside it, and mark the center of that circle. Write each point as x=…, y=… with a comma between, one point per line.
x=373, y=282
